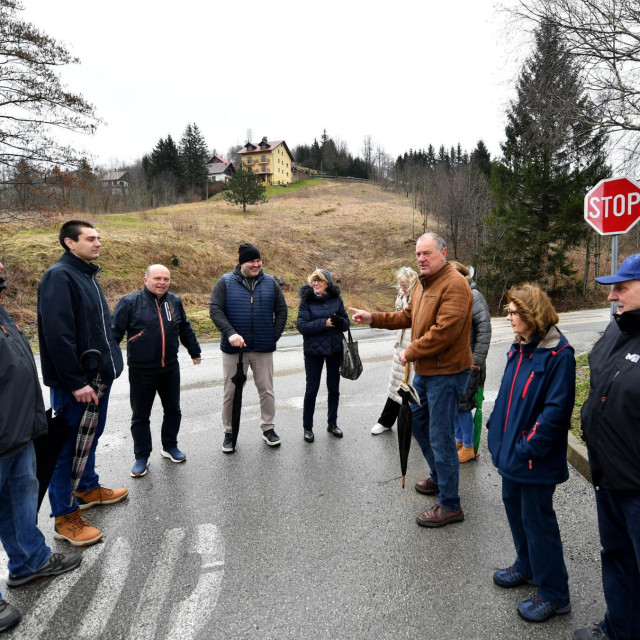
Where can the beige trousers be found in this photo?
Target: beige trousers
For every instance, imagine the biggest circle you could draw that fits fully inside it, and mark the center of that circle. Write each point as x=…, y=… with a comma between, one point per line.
x=262, y=368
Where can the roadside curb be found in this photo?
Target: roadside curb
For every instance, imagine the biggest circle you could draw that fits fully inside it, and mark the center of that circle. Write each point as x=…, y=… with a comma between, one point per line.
x=577, y=457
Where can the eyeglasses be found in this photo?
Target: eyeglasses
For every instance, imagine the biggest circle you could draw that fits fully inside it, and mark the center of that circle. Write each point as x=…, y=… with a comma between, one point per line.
x=510, y=312
x=317, y=280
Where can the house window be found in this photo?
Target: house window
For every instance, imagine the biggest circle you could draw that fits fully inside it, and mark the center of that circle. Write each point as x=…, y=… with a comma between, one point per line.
x=264, y=158
x=264, y=169
x=249, y=160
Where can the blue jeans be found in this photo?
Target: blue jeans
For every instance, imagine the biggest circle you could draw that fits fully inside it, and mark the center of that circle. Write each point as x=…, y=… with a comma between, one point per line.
x=619, y=524
x=464, y=428
x=313, y=368
x=536, y=536
x=433, y=428
x=63, y=403
x=144, y=383
x=21, y=539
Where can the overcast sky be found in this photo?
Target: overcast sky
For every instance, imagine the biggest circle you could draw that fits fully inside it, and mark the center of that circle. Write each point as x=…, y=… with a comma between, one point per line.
x=405, y=73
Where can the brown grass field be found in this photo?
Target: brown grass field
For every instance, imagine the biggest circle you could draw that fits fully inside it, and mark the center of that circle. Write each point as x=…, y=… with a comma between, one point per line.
x=357, y=230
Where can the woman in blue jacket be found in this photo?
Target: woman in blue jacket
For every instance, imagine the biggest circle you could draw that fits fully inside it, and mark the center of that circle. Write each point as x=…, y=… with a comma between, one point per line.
x=321, y=320
x=528, y=432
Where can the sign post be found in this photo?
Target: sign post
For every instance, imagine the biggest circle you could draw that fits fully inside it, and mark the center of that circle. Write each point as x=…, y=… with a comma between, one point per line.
x=612, y=208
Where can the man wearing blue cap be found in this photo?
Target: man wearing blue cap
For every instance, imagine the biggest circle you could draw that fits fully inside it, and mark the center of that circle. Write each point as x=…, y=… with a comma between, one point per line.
x=611, y=430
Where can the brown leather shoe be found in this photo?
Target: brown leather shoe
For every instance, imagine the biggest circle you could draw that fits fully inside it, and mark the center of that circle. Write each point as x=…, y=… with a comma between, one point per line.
x=436, y=516
x=427, y=487
x=100, y=496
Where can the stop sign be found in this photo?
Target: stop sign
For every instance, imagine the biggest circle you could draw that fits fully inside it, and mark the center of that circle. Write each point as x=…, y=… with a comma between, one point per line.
x=613, y=206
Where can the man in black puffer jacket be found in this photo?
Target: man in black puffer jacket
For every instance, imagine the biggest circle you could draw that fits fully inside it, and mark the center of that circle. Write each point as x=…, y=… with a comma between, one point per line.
x=155, y=322
x=321, y=320
x=611, y=429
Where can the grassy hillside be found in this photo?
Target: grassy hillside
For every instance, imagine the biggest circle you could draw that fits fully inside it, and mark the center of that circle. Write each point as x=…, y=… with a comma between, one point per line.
x=358, y=231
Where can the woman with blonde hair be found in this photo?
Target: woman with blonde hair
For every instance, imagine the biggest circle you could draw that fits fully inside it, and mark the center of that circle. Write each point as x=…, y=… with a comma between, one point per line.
x=528, y=431
x=321, y=320
x=406, y=280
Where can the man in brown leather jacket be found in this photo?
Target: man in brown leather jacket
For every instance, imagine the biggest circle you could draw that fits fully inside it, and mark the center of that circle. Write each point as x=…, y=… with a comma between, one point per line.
x=440, y=319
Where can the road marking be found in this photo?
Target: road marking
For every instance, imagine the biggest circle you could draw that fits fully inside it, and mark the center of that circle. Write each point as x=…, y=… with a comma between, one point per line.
x=157, y=587
x=37, y=621
x=107, y=591
x=189, y=616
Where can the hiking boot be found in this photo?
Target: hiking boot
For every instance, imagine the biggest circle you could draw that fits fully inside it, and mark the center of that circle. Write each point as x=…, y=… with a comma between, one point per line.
x=458, y=445
x=537, y=609
x=9, y=615
x=437, y=516
x=466, y=453
x=271, y=437
x=227, y=445
x=378, y=429
x=510, y=577
x=100, y=496
x=58, y=563
x=594, y=632
x=76, y=530
x=140, y=468
x=174, y=454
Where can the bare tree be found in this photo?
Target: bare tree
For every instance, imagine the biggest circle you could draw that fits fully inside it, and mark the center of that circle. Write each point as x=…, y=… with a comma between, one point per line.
x=604, y=36
x=33, y=101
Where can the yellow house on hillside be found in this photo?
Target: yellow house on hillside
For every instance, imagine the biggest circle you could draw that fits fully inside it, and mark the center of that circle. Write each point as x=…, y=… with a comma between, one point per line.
x=271, y=160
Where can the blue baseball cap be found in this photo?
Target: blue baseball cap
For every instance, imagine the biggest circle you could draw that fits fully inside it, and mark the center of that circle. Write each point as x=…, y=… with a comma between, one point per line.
x=628, y=270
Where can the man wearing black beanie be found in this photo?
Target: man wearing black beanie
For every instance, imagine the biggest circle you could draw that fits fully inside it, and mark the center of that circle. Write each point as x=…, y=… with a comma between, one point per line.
x=248, y=308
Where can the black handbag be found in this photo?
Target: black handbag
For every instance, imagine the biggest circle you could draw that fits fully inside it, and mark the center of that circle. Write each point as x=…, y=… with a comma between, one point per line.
x=351, y=366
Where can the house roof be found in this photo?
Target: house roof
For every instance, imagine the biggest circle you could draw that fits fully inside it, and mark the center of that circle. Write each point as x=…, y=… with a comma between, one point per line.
x=218, y=167
x=114, y=175
x=270, y=146
x=217, y=160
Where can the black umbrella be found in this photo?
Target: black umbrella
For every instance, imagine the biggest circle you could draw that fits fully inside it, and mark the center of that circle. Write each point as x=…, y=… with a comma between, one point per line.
x=48, y=449
x=238, y=379
x=405, y=420
x=88, y=425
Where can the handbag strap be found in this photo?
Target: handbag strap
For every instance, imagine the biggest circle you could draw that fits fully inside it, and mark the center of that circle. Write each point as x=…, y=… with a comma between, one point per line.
x=349, y=333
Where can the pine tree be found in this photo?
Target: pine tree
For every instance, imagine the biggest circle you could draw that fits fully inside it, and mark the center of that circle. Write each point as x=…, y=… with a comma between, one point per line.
x=245, y=189
x=550, y=158
x=193, y=159
x=164, y=161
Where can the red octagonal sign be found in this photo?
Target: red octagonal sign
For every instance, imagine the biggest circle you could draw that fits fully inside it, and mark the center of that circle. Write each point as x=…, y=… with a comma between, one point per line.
x=613, y=206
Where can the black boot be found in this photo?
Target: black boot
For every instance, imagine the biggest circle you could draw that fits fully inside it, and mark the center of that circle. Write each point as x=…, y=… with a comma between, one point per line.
x=335, y=430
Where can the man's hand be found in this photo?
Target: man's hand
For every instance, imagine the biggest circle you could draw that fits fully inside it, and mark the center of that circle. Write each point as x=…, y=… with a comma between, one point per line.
x=236, y=340
x=196, y=360
x=360, y=316
x=475, y=367
x=86, y=395
x=401, y=357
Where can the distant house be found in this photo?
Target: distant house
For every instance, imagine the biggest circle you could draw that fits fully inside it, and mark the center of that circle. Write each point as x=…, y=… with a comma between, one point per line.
x=271, y=160
x=117, y=181
x=219, y=169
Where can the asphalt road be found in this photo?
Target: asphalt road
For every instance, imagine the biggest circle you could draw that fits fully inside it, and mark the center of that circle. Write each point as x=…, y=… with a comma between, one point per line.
x=302, y=541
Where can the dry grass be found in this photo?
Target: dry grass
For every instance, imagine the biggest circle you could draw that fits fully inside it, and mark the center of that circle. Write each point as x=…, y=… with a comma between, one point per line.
x=358, y=231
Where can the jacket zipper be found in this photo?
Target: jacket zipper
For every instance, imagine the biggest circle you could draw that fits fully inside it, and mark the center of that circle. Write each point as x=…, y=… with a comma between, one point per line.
x=136, y=336
x=104, y=328
x=161, y=332
x=605, y=395
x=515, y=376
x=526, y=386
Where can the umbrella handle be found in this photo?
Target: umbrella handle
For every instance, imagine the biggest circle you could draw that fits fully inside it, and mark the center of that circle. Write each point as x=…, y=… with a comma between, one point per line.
x=92, y=352
x=407, y=368
x=240, y=352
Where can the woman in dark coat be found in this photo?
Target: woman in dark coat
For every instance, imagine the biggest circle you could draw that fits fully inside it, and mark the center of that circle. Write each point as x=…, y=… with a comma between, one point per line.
x=528, y=431
x=321, y=320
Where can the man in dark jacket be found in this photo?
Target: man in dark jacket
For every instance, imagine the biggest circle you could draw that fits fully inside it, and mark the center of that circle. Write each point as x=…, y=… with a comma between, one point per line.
x=155, y=322
x=611, y=429
x=22, y=420
x=73, y=317
x=249, y=309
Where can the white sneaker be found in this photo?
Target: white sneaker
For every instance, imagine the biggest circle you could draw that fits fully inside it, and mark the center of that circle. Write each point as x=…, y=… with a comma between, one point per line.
x=378, y=429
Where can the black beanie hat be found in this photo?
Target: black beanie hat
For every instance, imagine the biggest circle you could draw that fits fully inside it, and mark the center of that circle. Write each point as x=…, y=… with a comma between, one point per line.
x=247, y=252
